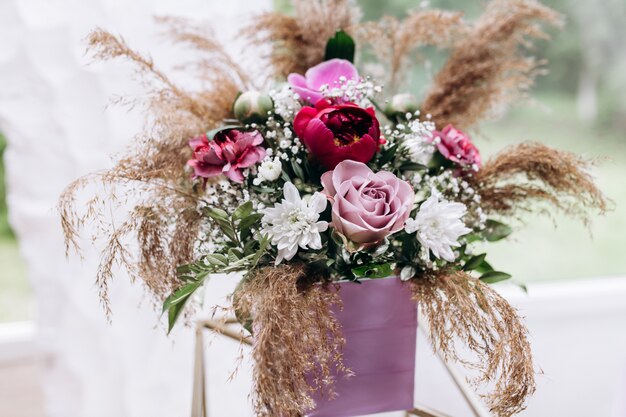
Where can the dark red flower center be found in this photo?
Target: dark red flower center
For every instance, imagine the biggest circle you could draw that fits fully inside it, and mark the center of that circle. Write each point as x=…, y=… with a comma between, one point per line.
x=348, y=125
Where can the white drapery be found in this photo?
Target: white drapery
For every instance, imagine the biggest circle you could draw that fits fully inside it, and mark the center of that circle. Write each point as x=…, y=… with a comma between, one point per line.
x=52, y=111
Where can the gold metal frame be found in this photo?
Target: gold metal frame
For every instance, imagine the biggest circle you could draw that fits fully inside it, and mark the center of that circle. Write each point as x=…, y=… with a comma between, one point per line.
x=225, y=328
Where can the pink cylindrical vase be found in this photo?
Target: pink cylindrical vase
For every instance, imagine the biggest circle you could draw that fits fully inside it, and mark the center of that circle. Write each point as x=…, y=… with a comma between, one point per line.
x=379, y=322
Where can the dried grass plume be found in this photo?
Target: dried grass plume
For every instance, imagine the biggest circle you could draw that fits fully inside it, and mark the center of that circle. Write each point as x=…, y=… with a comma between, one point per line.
x=393, y=40
x=298, y=341
x=298, y=42
x=460, y=308
x=149, y=182
x=532, y=176
x=490, y=67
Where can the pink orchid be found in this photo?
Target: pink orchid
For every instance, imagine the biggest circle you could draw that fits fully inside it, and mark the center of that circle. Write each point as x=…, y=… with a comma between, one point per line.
x=228, y=153
x=330, y=73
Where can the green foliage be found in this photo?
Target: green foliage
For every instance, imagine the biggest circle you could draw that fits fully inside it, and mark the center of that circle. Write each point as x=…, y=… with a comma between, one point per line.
x=242, y=252
x=491, y=277
x=373, y=270
x=495, y=230
x=340, y=46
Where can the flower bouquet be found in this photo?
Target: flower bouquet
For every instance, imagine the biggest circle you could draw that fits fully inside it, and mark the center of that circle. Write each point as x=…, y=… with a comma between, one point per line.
x=341, y=201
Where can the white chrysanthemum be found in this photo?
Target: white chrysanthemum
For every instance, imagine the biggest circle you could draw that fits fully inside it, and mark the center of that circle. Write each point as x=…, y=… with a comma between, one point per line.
x=269, y=170
x=438, y=225
x=420, y=150
x=294, y=222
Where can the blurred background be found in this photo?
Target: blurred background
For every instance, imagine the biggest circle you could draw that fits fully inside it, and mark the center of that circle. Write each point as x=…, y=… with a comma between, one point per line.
x=575, y=274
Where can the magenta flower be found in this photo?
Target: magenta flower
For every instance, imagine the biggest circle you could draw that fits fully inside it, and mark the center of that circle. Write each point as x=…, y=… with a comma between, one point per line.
x=330, y=73
x=335, y=133
x=367, y=206
x=457, y=147
x=228, y=153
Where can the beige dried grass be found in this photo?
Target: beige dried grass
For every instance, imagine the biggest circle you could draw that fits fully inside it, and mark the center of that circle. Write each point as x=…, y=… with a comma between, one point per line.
x=393, y=40
x=298, y=42
x=463, y=311
x=491, y=66
x=534, y=177
x=164, y=218
x=298, y=341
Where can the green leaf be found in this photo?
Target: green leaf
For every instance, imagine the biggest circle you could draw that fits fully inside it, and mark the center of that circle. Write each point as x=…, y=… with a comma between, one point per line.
x=340, y=46
x=234, y=255
x=243, y=211
x=474, y=262
x=223, y=220
x=217, y=214
x=412, y=166
x=297, y=169
x=183, y=269
x=495, y=230
x=387, y=155
x=175, y=303
x=216, y=259
x=491, y=277
x=484, y=267
x=249, y=221
x=522, y=286
x=372, y=271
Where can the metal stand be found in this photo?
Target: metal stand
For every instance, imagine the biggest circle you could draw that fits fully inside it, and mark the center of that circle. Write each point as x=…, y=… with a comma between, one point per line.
x=225, y=328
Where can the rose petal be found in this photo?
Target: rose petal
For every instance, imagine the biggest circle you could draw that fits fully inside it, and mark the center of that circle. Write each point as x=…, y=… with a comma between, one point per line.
x=347, y=170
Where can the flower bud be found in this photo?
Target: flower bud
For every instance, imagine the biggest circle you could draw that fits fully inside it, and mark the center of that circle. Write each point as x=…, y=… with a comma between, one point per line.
x=270, y=169
x=401, y=104
x=252, y=107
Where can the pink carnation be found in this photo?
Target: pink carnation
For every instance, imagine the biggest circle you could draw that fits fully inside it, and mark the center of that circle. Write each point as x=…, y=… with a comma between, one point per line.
x=367, y=206
x=230, y=152
x=457, y=147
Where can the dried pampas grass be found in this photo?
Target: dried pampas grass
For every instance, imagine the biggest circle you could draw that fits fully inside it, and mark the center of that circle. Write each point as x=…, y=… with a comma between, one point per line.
x=529, y=176
x=490, y=68
x=165, y=220
x=297, y=342
x=460, y=308
x=393, y=40
x=299, y=42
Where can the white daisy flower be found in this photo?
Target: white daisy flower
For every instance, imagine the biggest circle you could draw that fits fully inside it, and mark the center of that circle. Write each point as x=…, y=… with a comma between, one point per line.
x=294, y=222
x=438, y=225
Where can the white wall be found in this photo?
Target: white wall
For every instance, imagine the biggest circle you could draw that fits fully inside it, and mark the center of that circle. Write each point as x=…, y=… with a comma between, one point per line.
x=53, y=114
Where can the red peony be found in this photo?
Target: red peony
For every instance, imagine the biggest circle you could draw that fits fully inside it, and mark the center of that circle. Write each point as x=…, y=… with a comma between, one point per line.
x=457, y=147
x=334, y=133
x=228, y=153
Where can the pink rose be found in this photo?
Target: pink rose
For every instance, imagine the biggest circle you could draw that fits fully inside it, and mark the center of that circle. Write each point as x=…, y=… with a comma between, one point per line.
x=228, y=153
x=367, y=206
x=331, y=73
x=457, y=147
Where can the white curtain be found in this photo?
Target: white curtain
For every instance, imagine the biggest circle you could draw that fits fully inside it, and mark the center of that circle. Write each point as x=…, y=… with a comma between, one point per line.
x=52, y=111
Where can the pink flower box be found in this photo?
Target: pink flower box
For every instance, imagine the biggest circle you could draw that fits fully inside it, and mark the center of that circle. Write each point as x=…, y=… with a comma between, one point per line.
x=379, y=321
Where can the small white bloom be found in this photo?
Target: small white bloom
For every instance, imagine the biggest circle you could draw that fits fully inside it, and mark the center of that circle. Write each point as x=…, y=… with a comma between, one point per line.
x=270, y=169
x=294, y=222
x=407, y=273
x=438, y=225
x=419, y=148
